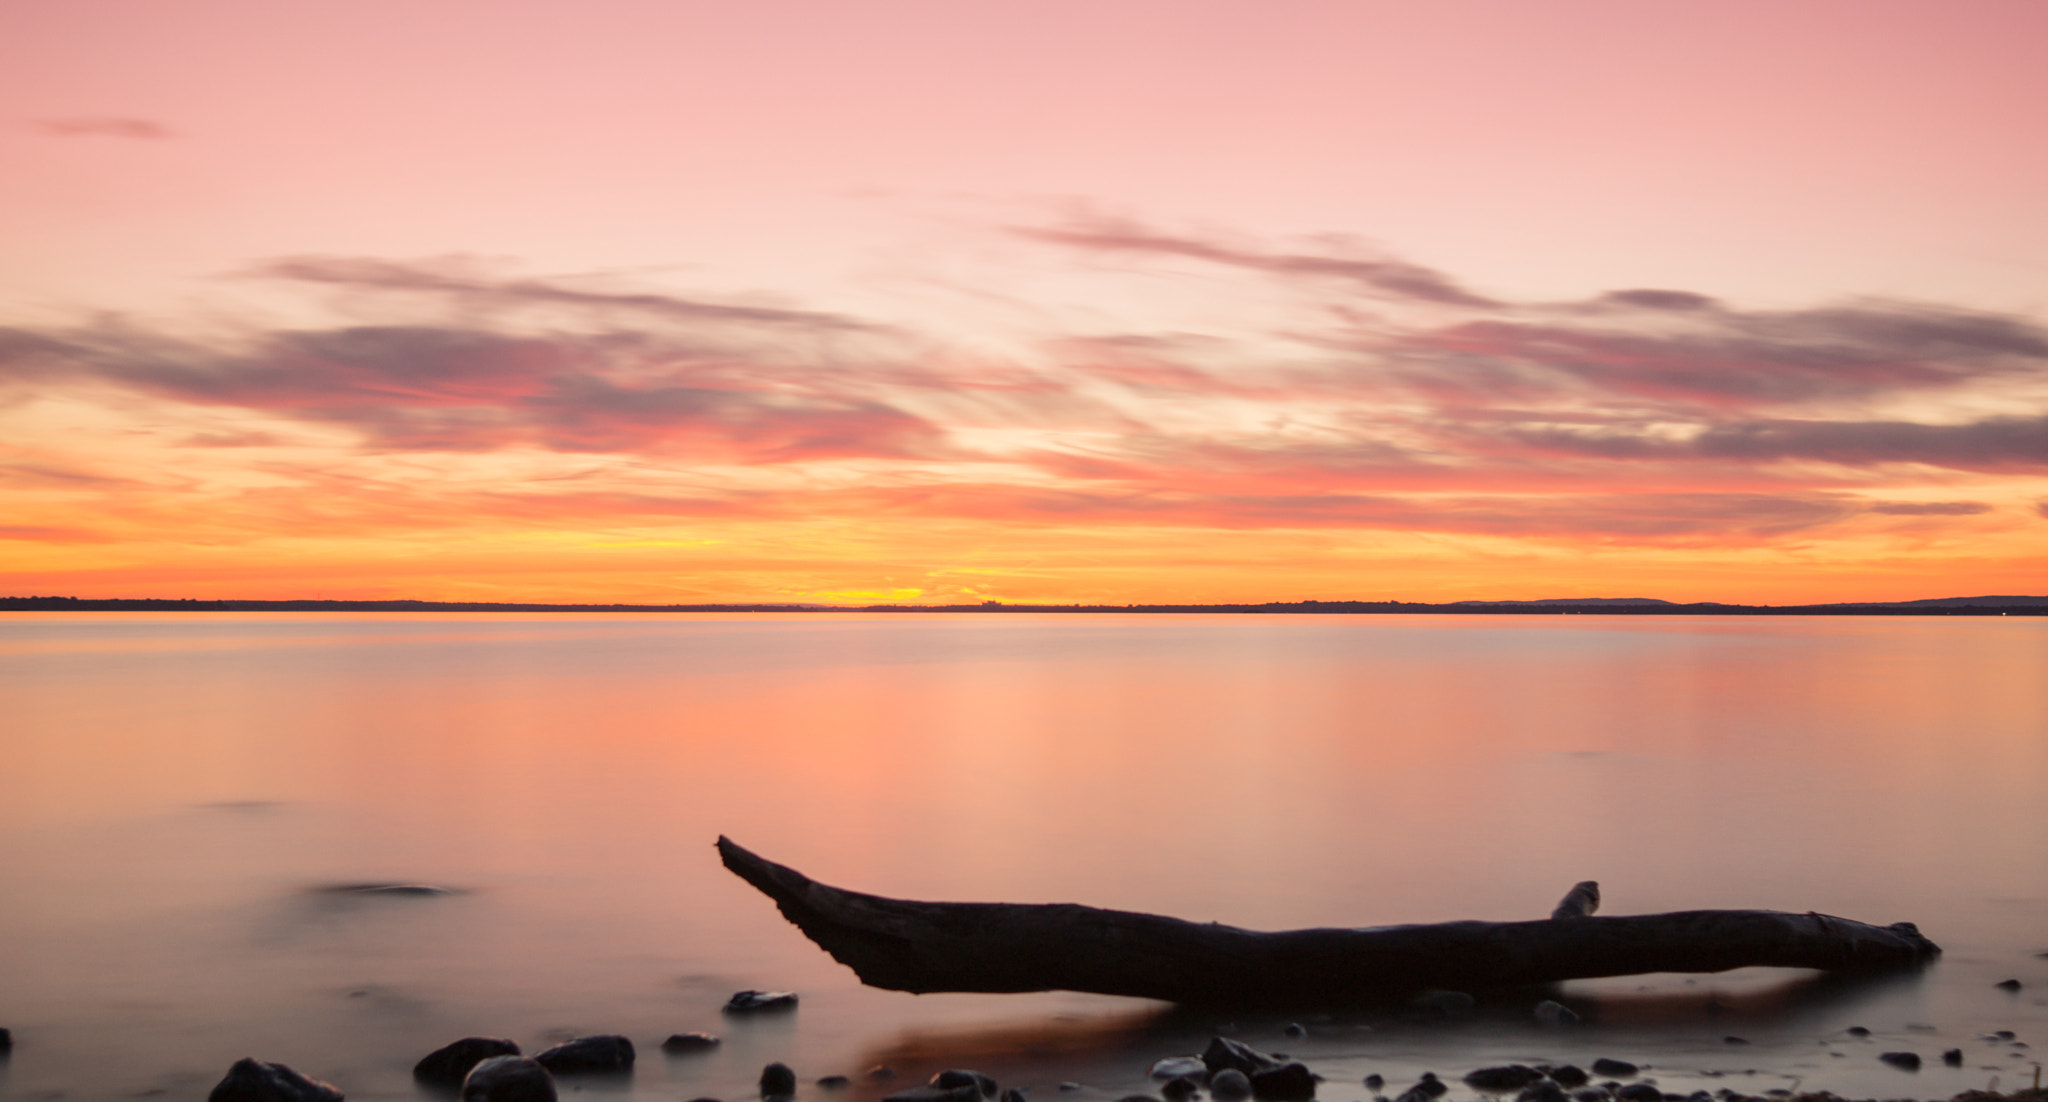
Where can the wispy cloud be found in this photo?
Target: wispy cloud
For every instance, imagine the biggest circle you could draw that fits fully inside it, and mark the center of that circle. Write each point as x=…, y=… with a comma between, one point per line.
x=104, y=126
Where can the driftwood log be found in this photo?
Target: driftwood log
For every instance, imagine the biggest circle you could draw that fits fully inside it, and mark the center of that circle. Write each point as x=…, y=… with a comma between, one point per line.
x=1002, y=947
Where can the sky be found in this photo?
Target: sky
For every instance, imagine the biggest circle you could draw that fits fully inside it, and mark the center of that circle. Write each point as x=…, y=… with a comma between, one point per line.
x=1046, y=302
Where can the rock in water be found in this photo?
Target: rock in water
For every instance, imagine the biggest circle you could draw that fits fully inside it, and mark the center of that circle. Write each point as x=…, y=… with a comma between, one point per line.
x=1639, y=1092
x=1286, y=1083
x=2008, y=985
x=1502, y=1079
x=1953, y=1057
x=1181, y=1088
x=962, y=1077
x=1565, y=1075
x=255, y=1081
x=1551, y=1012
x=1230, y=1085
x=6, y=1040
x=966, y=1092
x=1904, y=1061
x=778, y=1081
x=509, y=1079
x=602, y=1052
x=1542, y=1090
x=755, y=1002
x=449, y=1065
x=1613, y=1069
x=688, y=1042
x=1226, y=1053
x=1375, y=1081
x=1426, y=1088
x=835, y=1082
x=1173, y=1067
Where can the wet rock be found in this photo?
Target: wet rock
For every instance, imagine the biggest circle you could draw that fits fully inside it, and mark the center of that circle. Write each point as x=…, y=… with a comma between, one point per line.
x=6, y=1040
x=1857, y=1031
x=1502, y=1079
x=1180, y=1088
x=508, y=1079
x=1070, y=1086
x=2005, y=1035
x=1295, y=1029
x=881, y=1072
x=1613, y=1069
x=1552, y=1012
x=1734, y=1040
x=1226, y=1053
x=961, y=1077
x=1953, y=1057
x=1014, y=1094
x=1173, y=1067
x=599, y=1052
x=1286, y=1083
x=1590, y=1094
x=449, y=1065
x=1426, y=1088
x=255, y=1081
x=835, y=1082
x=1639, y=1092
x=678, y=1043
x=756, y=1002
x=966, y=1092
x=2008, y=985
x=1566, y=1075
x=1448, y=1003
x=1230, y=1084
x=1904, y=1061
x=1699, y=1096
x=1542, y=1090
x=1375, y=1081
x=778, y=1080
x=1137, y=1098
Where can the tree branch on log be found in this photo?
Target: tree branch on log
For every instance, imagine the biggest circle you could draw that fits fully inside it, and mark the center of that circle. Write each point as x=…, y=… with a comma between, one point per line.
x=904, y=945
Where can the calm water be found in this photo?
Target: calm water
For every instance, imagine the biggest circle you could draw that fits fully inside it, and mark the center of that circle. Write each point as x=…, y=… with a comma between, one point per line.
x=175, y=789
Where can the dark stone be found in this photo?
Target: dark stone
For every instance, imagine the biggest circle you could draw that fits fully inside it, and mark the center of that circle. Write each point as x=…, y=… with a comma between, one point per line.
x=1230, y=1084
x=1590, y=1094
x=1375, y=1081
x=1295, y=1029
x=1180, y=1088
x=1070, y=1086
x=1613, y=1069
x=448, y=1066
x=1542, y=1090
x=1173, y=1067
x=835, y=1082
x=255, y=1081
x=1699, y=1096
x=777, y=1081
x=1502, y=1079
x=1734, y=1040
x=880, y=1072
x=2008, y=985
x=756, y=1002
x=688, y=1042
x=962, y=1077
x=965, y=1093
x=2005, y=1035
x=1137, y=1098
x=1552, y=1012
x=1639, y=1092
x=1425, y=1089
x=1568, y=1076
x=1286, y=1083
x=1858, y=1031
x=6, y=1040
x=1226, y=1053
x=1953, y=1057
x=508, y=1079
x=601, y=1052
x=1904, y=1061
x=1014, y=1094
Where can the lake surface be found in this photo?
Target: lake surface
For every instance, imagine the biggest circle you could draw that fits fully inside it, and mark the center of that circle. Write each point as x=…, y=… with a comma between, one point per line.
x=175, y=790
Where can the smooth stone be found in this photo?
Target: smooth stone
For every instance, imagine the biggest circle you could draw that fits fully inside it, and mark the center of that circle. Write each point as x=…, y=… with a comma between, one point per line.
x=1014, y=1094
x=777, y=1081
x=1734, y=1040
x=6, y=1040
x=1230, y=1084
x=755, y=1002
x=880, y=1072
x=963, y=1077
x=965, y=1093
x=835, y=1082
x=1426, y=1088
x=1180, y=1088
x=448, y=1065
x=1137, y=1098
x=255, y=1081
x=1226, y=1053
x=1566, y=1075
x=1613, y=1069
x=1503, y=1078
x=1639, y=1092
x=1904, y=1061
x=1857, y=1031
x=1296, y=1030
x=1543, y=1090
x=1286, y=1083
x=1375, y=1081
x=689, y=1042
x=1953, y=1057
x=509, y=1079
x=2008, y=985
x=1551, y=1012
x=1590, y=1094
x=2005, y=1035
x=599, y=1052
x=1173, y=1067
x=1070, y=1086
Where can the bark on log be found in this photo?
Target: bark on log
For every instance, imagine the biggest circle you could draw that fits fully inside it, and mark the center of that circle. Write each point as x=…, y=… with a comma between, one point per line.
x=904, y=945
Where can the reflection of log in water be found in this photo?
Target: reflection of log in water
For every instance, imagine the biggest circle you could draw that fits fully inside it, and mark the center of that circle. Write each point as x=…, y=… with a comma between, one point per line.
x=999, y=947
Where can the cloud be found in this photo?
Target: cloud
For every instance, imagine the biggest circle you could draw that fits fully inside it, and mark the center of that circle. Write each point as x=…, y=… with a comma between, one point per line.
x=1991, y=444
x=103, y=126
x=1931, y=508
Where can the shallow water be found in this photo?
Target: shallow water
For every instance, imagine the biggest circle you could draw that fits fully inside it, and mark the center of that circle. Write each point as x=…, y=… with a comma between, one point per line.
x=176, y=790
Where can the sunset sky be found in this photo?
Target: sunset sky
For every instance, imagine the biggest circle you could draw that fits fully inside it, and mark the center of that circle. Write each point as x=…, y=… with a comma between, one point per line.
x=1050, y=301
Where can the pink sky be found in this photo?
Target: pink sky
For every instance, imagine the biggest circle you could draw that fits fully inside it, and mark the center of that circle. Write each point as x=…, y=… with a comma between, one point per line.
x=1046, y=301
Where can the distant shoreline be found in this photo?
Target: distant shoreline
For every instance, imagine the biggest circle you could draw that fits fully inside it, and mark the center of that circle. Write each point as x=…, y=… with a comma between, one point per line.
x=1943, y=606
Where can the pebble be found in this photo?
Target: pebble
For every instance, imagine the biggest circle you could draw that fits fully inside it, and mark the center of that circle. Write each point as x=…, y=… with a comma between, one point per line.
x=778, y=1080
x=1229, y=1085
x=755, y=1002
x=1375, y=1081
x=689, y=1042
x=835, y=1082
x=6, y=1040
x=2008, y=985
x=1639, y=1092
x=255, y=1081
x=1070, y=1086
x=1542, y=1090
x=1501, y=1079
x=954, y=1078
x=599, y=1052
x=880, y=1072
x=1590, y=1094
x=1566, y=1075
x=1551, y=1012
x=966, y=1092
x=1904, y=1061
x=1295, y=1029
x=1173, y=1067
x=448, y=1065
x=508, y=1079
x=1953, y=1057
x=1857, y=1031
x=1286, y=1083
x=1613, y=1069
